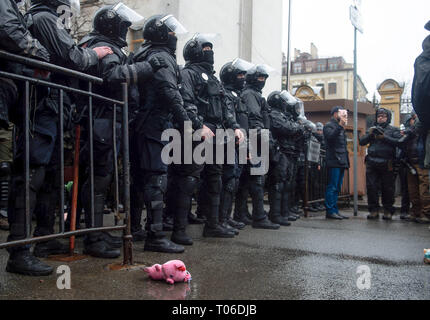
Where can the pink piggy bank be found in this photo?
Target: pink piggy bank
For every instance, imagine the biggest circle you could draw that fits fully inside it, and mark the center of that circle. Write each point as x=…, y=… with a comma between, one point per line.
x=172, y=271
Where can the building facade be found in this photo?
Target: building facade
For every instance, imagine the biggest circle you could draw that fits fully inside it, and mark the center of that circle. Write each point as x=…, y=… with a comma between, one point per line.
x=333, y=74
x=242, y=24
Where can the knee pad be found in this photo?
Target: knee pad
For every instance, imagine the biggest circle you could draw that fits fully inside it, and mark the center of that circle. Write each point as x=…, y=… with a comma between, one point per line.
x=155, y=188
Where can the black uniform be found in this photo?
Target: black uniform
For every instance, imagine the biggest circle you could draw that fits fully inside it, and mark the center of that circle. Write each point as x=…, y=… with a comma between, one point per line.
x=258, y=115
x=41, y=20
x=236, y=110
x=115, y=70
x=160, y=107
x=196, y=91
x=15, y=38
x=383, y=140
x=284, y=130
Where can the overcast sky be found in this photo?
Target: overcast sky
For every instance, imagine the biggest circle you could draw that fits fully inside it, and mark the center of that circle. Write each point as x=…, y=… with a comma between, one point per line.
x=392, y=38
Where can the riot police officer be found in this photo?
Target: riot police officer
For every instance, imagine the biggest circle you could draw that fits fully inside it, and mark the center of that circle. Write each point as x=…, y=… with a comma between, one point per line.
x=318, y=170
x=160, y=107
x=258, y=115
x=15, y=38
x=203, y=101
x=284, y=130
x=42, y=22
x=233, y=75
x=382, y=139
x=110, y=28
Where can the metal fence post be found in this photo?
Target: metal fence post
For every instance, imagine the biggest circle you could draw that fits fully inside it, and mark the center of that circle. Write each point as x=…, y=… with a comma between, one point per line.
x=127, y=237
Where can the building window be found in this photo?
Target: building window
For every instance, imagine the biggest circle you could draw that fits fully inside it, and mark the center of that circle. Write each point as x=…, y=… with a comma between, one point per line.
x=321, y=67
x=333, y=66
x=332, y=88
x=297, y=68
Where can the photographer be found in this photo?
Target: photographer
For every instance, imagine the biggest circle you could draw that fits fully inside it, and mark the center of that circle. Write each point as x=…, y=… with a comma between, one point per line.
x=383, y=140
x=337, y=159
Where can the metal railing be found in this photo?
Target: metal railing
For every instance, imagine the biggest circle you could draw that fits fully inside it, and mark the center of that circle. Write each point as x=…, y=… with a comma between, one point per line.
x=127, y=238
x=316, y=179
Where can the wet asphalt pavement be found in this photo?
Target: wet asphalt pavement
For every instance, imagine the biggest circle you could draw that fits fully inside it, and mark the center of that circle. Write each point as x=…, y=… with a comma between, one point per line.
x=313, y=259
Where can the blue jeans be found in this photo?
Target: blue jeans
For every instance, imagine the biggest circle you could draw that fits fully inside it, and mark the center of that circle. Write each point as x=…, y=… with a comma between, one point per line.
x=335, y=179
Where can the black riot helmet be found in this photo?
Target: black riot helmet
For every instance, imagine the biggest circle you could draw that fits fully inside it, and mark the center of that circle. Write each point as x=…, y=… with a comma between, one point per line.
x=74, y=4
x=286, y=102
x=256, y=72
x=387, y=112
x=113, y=21
x=231, y=71
x=275, y=101
x=156, y=29
x=193, y=49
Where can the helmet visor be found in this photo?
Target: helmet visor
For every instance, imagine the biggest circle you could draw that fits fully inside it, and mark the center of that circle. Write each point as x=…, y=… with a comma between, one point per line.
x=75, y=6
x=265, y=68
x=242, y=65
x=128, y=13
x=173, y=24
x=288, y=98
x=214, y=39
x=300, y=108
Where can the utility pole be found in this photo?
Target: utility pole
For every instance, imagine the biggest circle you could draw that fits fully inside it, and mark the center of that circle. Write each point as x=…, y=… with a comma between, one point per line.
x=355, y=17
x=289, y=49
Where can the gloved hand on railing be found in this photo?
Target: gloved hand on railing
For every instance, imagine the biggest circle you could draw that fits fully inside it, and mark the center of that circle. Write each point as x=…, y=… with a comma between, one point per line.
x=157, y=63
x=103, y=51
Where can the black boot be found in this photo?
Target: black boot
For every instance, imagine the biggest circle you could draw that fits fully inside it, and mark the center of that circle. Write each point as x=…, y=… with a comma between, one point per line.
x=96, y=243
x=275, y=200
x=139, y=236
x=159, y=243
x=194, y=219
x=101, y=249
x=179, y=235
x=216, y=231
x=113, y=241
x=52, y=247
x=236, y=224
x=228, y=227
x=23, y=262
x=265, y=224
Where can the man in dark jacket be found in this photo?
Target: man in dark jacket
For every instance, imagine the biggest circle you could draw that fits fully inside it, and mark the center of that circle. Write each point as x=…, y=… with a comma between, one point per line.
x=421, y=82
x=281, y=173
x=337, y=160
x=160, y=108
x=258, y=114
x=383, y=140
x=110, y=27
x=42, y=22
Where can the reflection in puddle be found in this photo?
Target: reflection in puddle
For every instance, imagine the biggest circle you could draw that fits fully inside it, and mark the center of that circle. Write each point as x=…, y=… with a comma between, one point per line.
x=163, y=291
